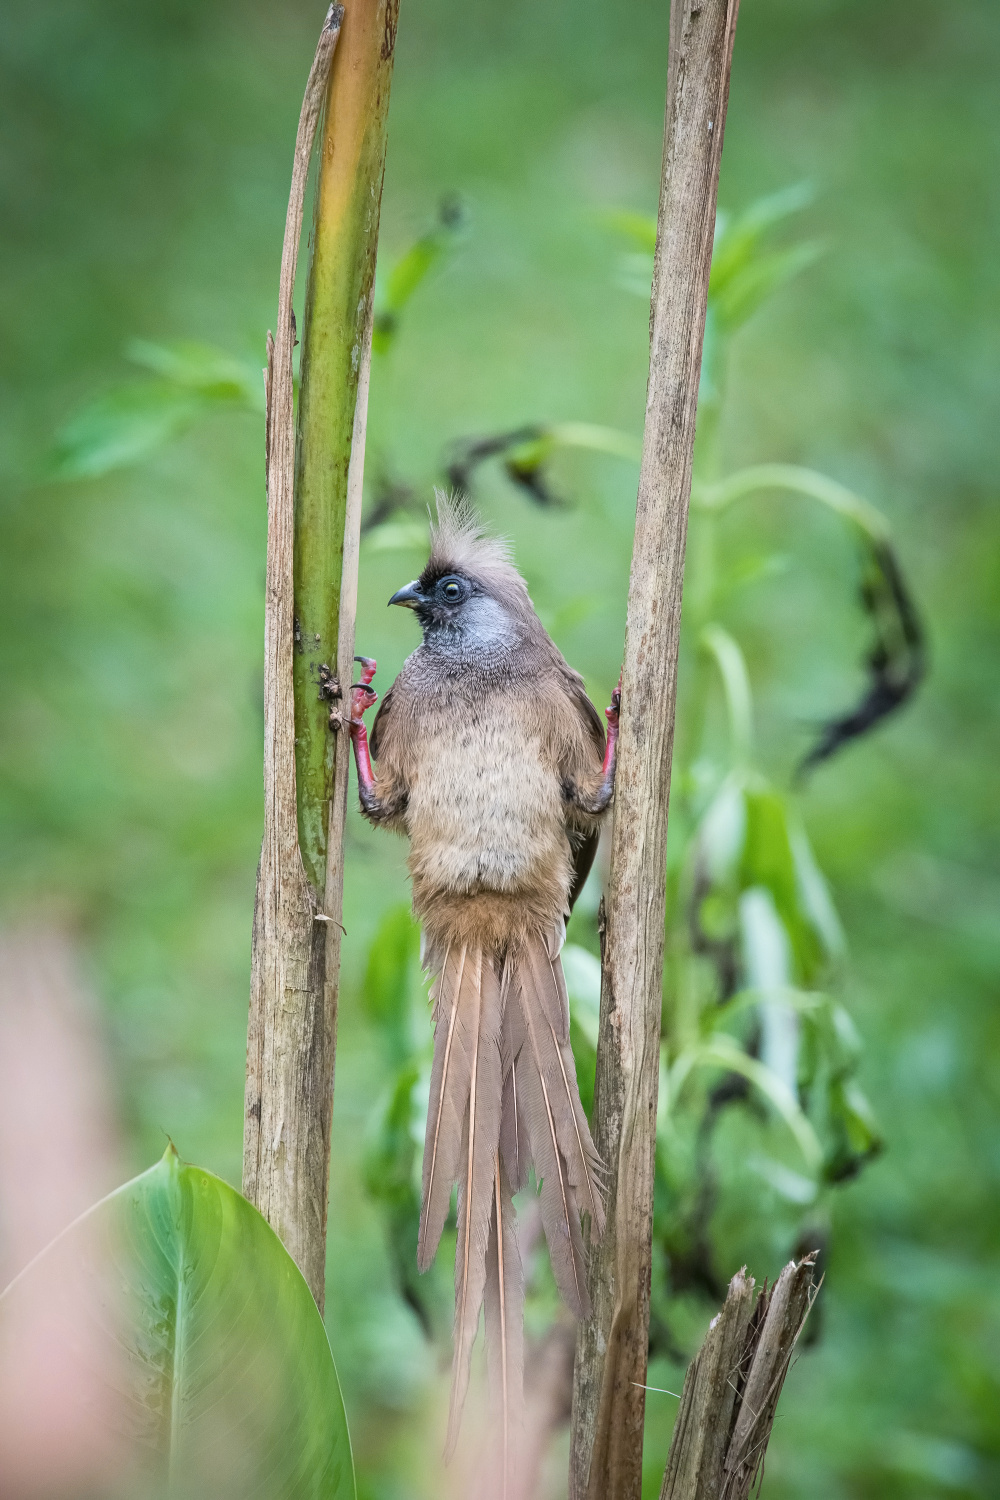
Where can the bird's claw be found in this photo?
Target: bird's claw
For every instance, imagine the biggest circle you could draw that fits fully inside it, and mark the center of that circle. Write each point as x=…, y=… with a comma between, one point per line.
x=368, y=668
x=363, y=696
x=611, y=713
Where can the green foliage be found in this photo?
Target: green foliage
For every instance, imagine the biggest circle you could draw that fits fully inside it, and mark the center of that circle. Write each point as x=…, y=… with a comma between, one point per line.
x=746, y=270
x=131, y=421
x=191, y=381
x=211, y=1363
x=410, y=270
x=392, y=973
x=395, y=1002
x=754, y=942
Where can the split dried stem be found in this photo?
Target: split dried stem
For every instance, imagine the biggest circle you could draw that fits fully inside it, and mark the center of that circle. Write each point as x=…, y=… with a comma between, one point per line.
x=732, y=1387
x=610, y=1373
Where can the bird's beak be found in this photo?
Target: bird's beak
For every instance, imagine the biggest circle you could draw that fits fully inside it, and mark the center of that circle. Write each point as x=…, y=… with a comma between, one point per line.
x=409, y=597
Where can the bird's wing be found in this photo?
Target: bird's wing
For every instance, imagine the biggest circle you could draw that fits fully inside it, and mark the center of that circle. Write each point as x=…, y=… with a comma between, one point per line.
x=583, y=842
x=573, y=686
x=583, y=851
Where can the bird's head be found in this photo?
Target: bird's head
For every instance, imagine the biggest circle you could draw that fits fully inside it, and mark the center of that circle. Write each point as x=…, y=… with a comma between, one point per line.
x=469, y=599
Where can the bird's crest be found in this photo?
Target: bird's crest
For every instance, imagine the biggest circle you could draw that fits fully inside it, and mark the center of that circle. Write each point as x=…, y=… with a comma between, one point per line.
x=460, y=543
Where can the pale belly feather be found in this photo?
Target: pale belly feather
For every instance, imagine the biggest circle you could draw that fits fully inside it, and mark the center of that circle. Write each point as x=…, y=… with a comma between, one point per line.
x=484, y=811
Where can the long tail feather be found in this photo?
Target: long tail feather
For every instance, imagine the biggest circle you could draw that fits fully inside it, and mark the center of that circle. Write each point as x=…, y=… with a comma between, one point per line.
x=505, y=1323
x=451, y=1075
x=514, y=1146
x=476, y=1190
x=504, y=1095
x=560, y=1216
x=543, y=990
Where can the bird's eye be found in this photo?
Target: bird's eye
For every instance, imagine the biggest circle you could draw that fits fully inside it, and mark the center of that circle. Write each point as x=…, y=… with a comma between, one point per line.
x=451, y=590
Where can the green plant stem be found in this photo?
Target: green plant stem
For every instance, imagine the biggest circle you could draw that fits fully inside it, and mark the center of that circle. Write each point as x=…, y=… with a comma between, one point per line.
x=336, y=338
x=797, y=481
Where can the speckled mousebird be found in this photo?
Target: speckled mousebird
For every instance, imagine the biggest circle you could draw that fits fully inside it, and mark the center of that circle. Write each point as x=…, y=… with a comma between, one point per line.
x=491, y=758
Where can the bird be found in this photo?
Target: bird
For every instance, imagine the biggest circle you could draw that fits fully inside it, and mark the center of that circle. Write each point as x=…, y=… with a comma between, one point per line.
x=490, y=757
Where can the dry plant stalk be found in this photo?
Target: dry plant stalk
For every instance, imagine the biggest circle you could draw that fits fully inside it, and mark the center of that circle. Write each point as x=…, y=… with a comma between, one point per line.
x=314, y=505
x=732, y=1387
x=609, y=1379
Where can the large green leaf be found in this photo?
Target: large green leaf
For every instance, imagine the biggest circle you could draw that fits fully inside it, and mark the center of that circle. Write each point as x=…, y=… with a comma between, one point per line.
x=204, y=1351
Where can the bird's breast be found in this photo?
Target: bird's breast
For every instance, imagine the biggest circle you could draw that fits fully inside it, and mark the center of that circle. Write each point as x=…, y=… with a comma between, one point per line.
x=485, y=807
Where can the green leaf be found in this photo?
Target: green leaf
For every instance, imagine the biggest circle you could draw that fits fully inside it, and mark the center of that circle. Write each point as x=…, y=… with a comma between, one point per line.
x=411, y=269
x=397, y=536
x=795, y=480
x=202, y=367
x=721, y=834
x=814, y=893
x=130, y=422
x=394, y=1139
x=766, y=953
x=740, y=298
x=732, y=666
x=768, y=861
x=639, y=228
x=204, y=1338
x=792, y=1186
x=123, y=427
x=583, y=985
x=722, y=1052
x=598, y=439
x=738, y=241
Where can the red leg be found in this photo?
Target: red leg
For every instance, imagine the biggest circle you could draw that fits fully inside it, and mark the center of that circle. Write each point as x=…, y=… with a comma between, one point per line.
x=363, y=697
x=599, y=800
x=611, y=748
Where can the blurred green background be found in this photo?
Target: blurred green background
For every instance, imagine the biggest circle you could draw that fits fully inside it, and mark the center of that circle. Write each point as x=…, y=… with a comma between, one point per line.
x=144, y=178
